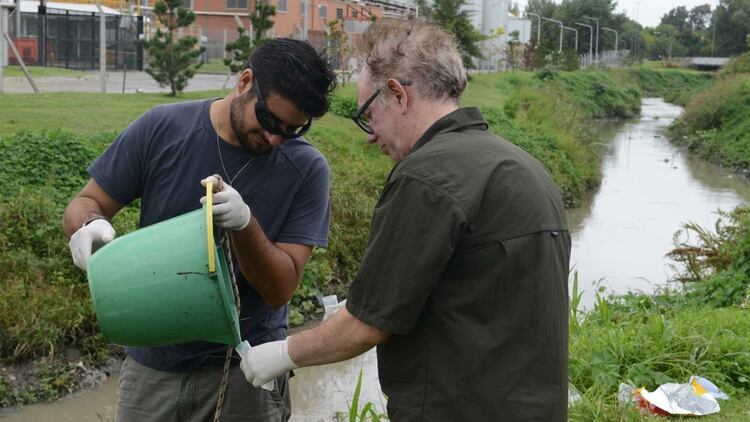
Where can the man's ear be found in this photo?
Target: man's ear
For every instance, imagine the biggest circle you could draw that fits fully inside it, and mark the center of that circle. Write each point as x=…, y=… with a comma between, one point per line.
x=399, y=92
x=245, y=81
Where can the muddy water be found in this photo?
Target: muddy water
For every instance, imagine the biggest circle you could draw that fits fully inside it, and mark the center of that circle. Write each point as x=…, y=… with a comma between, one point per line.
x=620, y=236
x=318, y=393
x=649, y=188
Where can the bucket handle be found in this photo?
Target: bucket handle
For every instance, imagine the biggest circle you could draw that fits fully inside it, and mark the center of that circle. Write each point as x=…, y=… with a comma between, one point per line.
x=210, y=226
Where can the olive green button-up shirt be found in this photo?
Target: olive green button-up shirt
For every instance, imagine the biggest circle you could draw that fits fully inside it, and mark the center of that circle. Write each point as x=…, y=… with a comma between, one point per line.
x=467, y=266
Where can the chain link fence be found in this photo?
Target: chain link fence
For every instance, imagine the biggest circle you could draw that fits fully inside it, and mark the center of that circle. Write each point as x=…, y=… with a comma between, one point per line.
x=70, y=39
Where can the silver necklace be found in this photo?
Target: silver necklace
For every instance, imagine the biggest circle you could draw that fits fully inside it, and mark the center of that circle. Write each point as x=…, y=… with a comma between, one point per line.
x=230, y=180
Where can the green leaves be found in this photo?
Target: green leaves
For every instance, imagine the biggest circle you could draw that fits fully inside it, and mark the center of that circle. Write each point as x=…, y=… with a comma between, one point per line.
x=605, y=369
x=453, y=16
x=171, y=63
x=367, y=413
x=54, y=159
x=343, y=105
x=241, y=49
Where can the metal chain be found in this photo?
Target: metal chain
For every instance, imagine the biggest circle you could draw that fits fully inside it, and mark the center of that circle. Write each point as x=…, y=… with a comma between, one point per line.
x=226, y=241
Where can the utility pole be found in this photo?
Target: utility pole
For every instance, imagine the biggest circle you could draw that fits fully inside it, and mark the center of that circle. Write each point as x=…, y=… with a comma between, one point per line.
x=559, y=50
x=597, y=37
x=713, y=29
x=538, y=28
x=670, y=43
x=576, y=31
x=18, y=19
x=591, y=39
x=637, y=37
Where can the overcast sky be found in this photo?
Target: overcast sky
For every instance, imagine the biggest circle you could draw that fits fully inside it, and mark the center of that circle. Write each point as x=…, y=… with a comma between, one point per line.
x=649, y=11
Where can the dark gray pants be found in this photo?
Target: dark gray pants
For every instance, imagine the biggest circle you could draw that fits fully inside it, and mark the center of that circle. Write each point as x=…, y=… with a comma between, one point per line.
x=145, y=394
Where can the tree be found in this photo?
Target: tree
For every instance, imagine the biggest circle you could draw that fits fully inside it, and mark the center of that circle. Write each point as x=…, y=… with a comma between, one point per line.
x=531, y=59
x=494, y=47
x=700, y=17
x=261, y=20
x=241, y=49
x=514, y=9
x=571, y=11
x=425, y=8
x=732, y=21
x=677, y=18
x=450, y=15
x=687, y=28
x=339, y=47
x=171, y=63
x=511, y=51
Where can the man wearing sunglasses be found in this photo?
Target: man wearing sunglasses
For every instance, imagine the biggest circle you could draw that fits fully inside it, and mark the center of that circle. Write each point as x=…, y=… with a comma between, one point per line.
x=273, y=190
x=463, y=285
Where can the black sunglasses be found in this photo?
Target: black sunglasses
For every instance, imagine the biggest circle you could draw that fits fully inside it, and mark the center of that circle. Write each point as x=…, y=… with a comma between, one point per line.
x=359, y=116
x=270, y=122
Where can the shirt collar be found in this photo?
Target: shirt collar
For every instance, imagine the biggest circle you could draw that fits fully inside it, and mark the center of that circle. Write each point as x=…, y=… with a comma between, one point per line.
x=455, y=120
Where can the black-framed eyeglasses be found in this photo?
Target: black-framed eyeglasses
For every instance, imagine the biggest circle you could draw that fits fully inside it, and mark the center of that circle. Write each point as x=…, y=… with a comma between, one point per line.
x=359, y=116
x=271, y=123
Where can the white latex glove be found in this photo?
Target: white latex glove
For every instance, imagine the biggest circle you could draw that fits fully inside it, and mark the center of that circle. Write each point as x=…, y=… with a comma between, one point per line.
x=229, y=209
x=266, y=362
x=88, y=239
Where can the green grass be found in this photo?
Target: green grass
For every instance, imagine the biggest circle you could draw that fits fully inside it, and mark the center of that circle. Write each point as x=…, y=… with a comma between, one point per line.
x=215, y=66
x=674, y=85
x=715, y=124
x=49, y=139
x=648, y=340
x=81, y=113
x=41, y=72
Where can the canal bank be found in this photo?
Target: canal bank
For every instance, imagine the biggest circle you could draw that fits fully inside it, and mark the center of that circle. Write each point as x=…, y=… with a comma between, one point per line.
x=620, y=236
x=550, y=115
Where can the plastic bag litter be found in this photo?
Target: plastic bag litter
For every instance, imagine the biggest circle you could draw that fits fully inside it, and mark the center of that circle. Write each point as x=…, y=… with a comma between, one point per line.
x=331, y=305
x=710, y=387
x=574, y=396
x=697, y=398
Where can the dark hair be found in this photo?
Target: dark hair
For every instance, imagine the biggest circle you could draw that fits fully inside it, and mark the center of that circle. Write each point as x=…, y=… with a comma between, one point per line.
x=294, y=70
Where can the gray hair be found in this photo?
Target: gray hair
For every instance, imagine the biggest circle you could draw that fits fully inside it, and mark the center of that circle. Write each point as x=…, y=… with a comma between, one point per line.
x=423, y=53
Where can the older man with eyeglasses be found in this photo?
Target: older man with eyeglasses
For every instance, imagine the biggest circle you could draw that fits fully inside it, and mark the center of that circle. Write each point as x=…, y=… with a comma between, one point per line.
x=463, y=286
x=273, y=198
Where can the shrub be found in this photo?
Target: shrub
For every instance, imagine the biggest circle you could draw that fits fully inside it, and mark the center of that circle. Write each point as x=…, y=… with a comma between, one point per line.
x=55, y=159
x=343, y=105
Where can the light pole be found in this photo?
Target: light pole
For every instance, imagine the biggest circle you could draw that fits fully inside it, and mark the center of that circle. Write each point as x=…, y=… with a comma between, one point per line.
x=657, y=33
x=559, y=50
x=670, y=43
x=612, y=30
x=591, y=39
x=596, y=48
x=713, y=36
x=576, y=31
x=538, y=28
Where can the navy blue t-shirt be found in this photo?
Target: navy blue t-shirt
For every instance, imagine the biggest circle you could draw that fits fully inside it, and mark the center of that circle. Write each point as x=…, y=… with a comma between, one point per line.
x=161, y=158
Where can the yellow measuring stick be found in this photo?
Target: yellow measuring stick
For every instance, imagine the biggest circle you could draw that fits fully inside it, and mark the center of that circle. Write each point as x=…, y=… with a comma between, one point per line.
x=210, y=226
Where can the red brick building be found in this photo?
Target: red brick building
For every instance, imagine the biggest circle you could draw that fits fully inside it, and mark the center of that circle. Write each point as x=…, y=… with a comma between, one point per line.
x=215, y=21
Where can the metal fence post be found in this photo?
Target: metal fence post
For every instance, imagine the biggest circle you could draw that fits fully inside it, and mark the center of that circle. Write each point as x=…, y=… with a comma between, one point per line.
x=139, y=46
x=3, y=48
x=102, y=47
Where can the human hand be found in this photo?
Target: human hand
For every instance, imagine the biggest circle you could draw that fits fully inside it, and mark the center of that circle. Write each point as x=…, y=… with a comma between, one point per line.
x=88, y=239
x=265, y=362
x=229, y=209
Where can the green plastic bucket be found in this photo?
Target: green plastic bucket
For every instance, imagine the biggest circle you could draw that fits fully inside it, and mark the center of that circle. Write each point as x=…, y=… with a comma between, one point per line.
x=153, y=286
